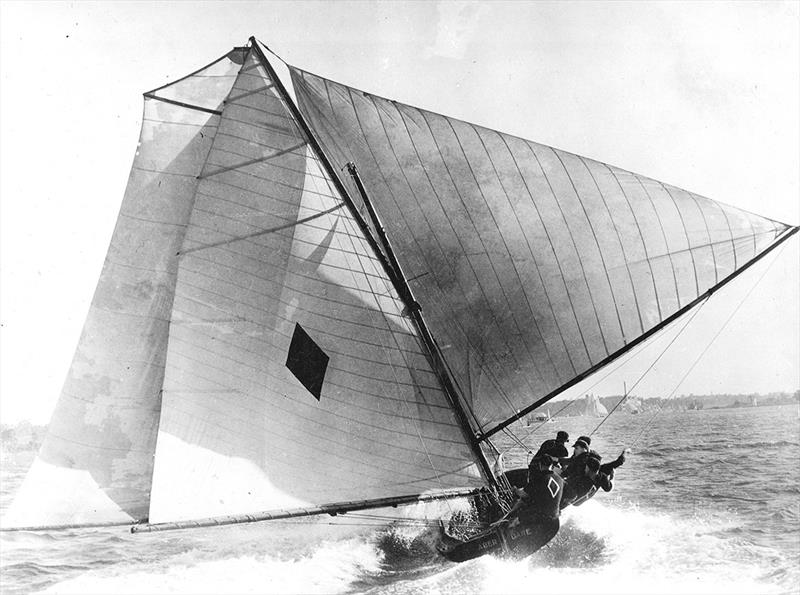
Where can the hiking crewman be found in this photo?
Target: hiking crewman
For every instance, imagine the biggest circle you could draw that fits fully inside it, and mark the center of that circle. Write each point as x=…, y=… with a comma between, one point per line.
x=574, y=465
x=581, y=484
x=555, y=447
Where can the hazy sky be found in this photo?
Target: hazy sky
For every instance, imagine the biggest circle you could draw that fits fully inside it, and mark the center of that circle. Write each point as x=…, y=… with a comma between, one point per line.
x=700, y=95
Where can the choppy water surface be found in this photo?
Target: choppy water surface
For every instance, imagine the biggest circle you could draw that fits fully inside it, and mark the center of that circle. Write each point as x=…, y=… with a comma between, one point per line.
x=709, y=502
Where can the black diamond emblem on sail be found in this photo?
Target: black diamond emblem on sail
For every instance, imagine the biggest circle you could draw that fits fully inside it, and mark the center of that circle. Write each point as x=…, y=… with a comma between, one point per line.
x=307, y=361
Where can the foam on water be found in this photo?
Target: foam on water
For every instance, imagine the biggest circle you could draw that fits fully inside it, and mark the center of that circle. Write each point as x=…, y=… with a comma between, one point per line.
x=600, y=549
x=330, y=568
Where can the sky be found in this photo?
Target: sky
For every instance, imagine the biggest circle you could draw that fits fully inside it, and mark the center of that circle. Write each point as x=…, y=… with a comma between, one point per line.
x=700, y=95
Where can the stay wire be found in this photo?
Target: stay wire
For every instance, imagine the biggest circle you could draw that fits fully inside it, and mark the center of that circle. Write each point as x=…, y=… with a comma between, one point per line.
x=266, y=47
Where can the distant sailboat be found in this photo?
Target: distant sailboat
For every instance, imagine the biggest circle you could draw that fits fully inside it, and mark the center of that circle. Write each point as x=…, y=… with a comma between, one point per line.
x=539, y=417
x=333, y=305
x=632, y=405
x=592, y=407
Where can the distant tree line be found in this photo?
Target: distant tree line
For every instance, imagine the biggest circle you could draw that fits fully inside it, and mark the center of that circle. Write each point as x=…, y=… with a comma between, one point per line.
x=684, y=402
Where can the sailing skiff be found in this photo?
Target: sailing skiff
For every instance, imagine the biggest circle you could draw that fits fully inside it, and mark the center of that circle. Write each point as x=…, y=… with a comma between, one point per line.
x=333, y=303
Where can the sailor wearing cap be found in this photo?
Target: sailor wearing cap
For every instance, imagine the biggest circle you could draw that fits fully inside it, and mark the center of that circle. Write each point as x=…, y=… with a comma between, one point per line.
x=574, y=465
x=555, y=447
x=586, y=475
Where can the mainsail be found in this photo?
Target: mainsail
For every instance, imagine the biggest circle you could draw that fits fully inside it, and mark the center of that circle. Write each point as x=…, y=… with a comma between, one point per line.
x=252, y=351
x=534, y=266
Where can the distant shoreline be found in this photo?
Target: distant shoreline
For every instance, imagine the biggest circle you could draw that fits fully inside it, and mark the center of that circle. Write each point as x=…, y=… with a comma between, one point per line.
x=27, y=437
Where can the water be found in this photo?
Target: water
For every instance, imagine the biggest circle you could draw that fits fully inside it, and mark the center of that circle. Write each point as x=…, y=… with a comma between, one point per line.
x=707, y=503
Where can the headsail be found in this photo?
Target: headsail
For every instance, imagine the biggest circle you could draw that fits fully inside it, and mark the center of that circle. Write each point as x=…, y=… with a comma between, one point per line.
x=534, y=266
x=96, y=462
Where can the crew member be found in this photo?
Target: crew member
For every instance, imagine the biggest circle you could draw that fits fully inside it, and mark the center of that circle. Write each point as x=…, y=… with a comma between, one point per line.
x=574, y=465
x=555, y=447
x=538, y=508
x=579, y=487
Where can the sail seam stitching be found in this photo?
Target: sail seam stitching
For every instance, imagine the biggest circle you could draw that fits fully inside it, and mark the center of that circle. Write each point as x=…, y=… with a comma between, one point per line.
x=663, y=235
x=541, y=278
x=527, y=244
x=527, y=347
x=387, y=350
x=641, y=237
x=558, y=260
x=443, y=208
x=686, y=235
x=599, y=252
x=621, y=245
x=474, y=227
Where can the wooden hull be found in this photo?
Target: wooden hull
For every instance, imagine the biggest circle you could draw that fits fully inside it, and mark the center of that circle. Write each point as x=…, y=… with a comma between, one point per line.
x=513, y=539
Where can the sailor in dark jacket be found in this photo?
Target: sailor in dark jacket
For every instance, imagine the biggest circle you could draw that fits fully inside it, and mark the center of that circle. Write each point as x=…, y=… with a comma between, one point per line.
x=581, y=485
x=579, y=488
x=575, y=464
x=538, y=508
x=555, y=447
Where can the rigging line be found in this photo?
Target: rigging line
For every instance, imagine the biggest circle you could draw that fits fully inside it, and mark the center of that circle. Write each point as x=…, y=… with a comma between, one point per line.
x=199, y=108
x=265, y=231
x=655, y=361
x=266, y=47
x=262, y=159
x=708, y=346
x=514, y=437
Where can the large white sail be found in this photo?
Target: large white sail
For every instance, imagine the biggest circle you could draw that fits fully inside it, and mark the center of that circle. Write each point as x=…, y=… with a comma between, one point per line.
x=534, y=266
x=293, y=376
x=96, y=462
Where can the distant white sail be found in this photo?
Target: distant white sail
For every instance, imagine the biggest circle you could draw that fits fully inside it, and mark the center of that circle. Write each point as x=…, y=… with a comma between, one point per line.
x=592, y=407
x=632, y=405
